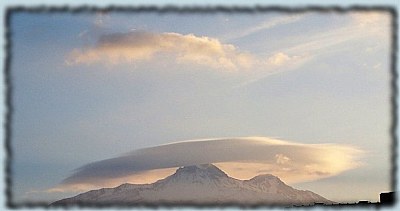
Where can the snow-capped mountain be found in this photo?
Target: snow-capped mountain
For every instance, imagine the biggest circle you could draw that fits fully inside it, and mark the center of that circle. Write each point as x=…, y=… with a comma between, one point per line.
x=201, y=185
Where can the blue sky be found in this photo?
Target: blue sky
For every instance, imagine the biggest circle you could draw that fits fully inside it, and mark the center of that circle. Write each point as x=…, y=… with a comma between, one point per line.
x=311, y=78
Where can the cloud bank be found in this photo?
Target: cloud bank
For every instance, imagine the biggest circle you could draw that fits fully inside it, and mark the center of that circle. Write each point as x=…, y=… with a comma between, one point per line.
x=242, y=158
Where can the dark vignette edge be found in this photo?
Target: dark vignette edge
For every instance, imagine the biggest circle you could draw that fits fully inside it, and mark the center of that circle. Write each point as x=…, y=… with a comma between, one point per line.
x=186, y=10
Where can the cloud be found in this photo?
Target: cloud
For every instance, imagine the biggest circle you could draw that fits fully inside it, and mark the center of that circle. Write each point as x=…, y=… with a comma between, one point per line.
x=241, y=158
x=360, y=25
x=367, y=27
x=268, y=24
x=372, y=20
x=140, y=46
x=282, y=159
x=170, y=48
x=278, y=59
x=371, y=27
x=137, y=177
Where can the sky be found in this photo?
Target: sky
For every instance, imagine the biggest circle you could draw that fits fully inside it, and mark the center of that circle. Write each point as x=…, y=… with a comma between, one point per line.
x=91, y=86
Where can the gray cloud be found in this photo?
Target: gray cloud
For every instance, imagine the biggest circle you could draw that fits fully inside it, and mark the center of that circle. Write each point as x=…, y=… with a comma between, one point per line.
x=254, y=154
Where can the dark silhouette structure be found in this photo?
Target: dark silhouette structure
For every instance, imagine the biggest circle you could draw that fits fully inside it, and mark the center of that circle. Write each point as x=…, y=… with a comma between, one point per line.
x=387, y=198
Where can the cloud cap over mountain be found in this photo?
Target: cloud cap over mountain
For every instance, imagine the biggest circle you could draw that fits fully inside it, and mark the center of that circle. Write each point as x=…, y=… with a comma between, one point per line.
x=243, y=157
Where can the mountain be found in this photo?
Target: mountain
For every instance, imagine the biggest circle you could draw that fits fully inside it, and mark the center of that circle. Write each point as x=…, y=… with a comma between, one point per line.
x=200, y=185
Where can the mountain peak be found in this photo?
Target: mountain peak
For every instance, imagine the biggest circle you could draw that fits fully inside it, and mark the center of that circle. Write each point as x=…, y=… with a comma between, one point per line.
x=203, y=169
x=265, y=177
x=200, y=184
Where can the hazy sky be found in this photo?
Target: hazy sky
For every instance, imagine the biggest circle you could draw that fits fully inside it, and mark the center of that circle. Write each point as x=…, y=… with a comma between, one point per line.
x=92, y=86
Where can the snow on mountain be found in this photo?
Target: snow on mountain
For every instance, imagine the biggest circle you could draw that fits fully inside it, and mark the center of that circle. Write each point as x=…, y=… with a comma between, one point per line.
x=200, y=185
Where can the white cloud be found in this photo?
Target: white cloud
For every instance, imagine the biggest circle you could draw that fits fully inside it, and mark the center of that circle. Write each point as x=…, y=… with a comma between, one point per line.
x=372, y=27
x=282, y=159
x=241, y=158
x=199, y=51
x=139, y=46
x=278, y=59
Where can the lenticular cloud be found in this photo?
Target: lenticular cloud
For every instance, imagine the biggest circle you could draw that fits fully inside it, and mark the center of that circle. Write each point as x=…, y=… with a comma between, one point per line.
x=241, y=158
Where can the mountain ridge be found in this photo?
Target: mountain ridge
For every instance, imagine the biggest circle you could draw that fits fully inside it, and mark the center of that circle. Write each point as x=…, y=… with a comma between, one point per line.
x=200, y=185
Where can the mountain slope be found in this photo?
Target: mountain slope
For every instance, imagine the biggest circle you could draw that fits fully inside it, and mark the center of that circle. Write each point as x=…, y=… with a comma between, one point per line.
x=201, y=184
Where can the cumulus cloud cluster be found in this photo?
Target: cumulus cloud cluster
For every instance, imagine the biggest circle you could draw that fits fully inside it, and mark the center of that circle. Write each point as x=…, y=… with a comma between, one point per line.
x=139, y=45
x=242, y=158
